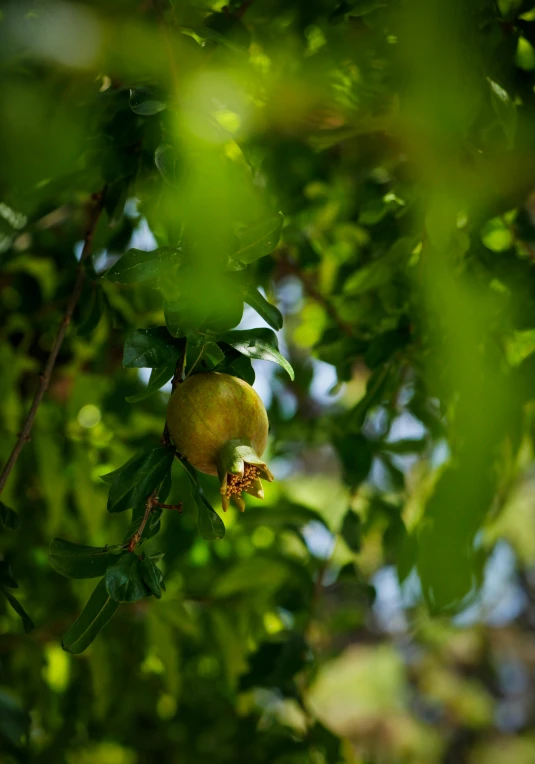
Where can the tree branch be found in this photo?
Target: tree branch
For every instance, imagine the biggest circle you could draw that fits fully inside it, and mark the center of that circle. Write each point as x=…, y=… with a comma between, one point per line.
x=24, y=435
x=152, y=500
x=136, y=538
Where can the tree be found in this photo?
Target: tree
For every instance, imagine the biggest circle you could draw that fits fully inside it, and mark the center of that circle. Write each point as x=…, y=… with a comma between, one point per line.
x=179, y=180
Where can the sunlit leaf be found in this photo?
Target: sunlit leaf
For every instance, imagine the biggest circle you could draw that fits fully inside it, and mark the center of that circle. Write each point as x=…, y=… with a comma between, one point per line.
x=270, y=313
x=257, y=343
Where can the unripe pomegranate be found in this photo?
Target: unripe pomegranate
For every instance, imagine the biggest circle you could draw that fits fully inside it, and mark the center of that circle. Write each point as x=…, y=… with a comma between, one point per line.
x=219, y=424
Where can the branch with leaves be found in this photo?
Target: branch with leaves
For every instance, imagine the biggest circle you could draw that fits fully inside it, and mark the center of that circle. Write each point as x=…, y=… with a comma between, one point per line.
x=24, y=435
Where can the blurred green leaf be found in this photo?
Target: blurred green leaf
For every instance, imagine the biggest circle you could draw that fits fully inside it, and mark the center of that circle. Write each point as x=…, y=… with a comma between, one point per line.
x=259, y=239
x=95, y=615
x=14, y=722
x=351, y=530
x=505, y=109
x=6, y=575
x=93, y=312
x=132, y=484
x=27, y=622
x=168, y=163
x=257, y=575
x=356, y=455
x=9, y=519
x=275, y=663
x=405, y=446
x=146, y=101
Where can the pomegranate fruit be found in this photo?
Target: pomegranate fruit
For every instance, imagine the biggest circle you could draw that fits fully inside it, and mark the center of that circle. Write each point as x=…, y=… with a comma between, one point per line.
x=219, y=424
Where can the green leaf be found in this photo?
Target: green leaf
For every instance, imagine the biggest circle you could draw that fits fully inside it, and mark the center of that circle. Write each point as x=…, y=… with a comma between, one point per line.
x=9, y=519
x=124, y=582
x=375, y=389
x=257, y=343
x=146, y=101
x=384, y=345
x=6, y=575
x=405, y=446
x=351, y=530
x=379, y=272
x=132, y=483
x=237, y=365
x=95, y=615
x=94, y=311
x=14, y=722
x=275, y=662
x=151, y=348
x=152, y=576
x=27, y=622
x=269, y=312
x=205, y=33
x=137, y=266
x=356, y=455
x=185, y=313
x=168, y=164
x=77, y=561
x=257, y=575
x=158, y=378
x=210, y=525
x=259, y=239
x=505, y=109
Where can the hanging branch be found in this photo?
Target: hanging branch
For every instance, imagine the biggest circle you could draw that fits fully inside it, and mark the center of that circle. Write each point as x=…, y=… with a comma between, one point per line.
x=24, y=435
x=152, y=500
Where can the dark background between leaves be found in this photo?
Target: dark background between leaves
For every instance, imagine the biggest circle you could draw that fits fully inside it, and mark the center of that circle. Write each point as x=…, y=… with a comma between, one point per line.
x=363, y=169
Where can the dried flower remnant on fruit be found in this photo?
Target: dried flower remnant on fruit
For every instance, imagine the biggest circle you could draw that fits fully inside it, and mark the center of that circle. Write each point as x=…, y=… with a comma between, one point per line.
x=248, y=482
x=219, y=424
x=236, y=483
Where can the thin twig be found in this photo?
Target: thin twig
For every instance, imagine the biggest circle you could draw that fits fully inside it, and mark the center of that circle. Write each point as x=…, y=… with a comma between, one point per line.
x=24, y=435
x=152, y=500
x=176, y=507
x=136, y=538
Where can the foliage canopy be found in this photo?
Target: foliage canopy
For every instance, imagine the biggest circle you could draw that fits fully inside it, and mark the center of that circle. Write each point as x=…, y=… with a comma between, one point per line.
x=343, y=188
